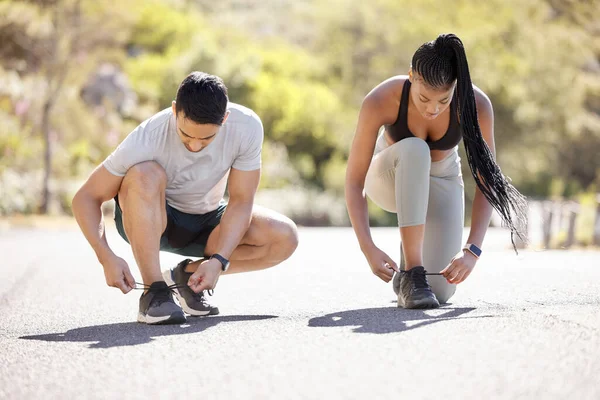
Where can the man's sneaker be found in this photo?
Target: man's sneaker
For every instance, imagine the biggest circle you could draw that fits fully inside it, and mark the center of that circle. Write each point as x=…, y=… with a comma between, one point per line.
x=158, y=307
x=414, y=290
x=192, y=303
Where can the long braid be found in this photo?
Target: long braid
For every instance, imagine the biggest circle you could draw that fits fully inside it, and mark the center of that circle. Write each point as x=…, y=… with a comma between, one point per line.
x=440, y=62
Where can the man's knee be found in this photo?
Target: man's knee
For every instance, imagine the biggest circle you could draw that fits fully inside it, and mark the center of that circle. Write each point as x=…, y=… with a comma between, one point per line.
x=146, y=178
x=285, y=237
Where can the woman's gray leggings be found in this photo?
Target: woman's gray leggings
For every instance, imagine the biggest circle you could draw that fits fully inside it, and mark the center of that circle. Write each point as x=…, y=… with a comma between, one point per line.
x=403, y=179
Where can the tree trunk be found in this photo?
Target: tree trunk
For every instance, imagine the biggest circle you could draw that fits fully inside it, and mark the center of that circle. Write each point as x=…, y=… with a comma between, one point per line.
x=45, y=126
x=547, y=223
x=596, y=239
x=572, y=211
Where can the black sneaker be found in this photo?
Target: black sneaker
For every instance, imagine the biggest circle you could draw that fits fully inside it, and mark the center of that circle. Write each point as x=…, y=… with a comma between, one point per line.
x=396, y=278
x=158, y=307
x=414, y=290
x=192, y=303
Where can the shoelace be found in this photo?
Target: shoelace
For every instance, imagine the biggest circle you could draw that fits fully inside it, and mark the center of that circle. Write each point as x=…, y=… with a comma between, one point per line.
x=149, y=287
x=431, y=273
x=200, y=296
x=418, y=279
x=197, y=296
x=160, y=292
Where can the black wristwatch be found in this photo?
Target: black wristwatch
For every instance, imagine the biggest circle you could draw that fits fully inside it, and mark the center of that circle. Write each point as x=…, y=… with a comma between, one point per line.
x=224, y=262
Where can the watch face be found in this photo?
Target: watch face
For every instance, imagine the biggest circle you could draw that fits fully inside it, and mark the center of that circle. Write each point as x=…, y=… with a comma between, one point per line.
x=475, y=250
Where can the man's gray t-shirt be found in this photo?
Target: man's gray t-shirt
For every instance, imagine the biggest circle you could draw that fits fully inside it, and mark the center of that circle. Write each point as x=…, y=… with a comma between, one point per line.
x=196, y=182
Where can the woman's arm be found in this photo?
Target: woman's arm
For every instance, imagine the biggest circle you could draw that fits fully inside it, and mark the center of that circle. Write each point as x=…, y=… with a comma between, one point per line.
x=378, y=108
x=359, y=160
x=463, y=263
x=481, y=212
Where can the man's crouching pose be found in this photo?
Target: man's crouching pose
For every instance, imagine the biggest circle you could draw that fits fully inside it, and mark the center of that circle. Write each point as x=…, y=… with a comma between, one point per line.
x=168, y=180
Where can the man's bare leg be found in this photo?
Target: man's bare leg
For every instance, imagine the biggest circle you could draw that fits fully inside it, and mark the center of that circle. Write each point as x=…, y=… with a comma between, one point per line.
x=142, y=199
x=271, y=239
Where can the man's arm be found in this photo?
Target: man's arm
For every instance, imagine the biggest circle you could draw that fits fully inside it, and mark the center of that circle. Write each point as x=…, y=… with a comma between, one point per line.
x=234, y=224
x=242, y=186
x=101, y=186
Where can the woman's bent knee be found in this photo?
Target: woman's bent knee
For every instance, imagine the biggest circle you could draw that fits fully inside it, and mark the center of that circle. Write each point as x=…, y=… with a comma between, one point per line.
x=442, y=290
x=413, y=149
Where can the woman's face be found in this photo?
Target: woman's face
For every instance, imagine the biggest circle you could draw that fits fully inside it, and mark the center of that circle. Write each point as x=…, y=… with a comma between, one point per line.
x=429, y=102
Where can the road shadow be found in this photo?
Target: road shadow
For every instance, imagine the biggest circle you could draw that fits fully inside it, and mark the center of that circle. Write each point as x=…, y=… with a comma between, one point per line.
x=134, y=333
x=391, y=319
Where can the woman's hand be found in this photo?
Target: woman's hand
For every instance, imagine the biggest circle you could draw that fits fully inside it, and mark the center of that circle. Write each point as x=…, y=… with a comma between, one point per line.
x=460, y=267
x=381, y=264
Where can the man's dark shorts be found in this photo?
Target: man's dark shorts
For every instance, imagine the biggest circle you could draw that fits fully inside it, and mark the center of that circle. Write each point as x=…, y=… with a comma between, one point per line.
x=186, y=234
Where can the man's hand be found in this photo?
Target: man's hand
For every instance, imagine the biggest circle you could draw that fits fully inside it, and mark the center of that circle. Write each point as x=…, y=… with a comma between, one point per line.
x=117, y=274
x=381, y=264
x=460, y=267
x=206, y=276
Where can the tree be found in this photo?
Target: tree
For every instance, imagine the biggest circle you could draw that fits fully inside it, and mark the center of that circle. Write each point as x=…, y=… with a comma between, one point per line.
x=47, y=42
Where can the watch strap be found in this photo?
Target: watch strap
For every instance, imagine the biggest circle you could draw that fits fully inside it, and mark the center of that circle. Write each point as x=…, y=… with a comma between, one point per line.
x=473, y=249
x=224, y=262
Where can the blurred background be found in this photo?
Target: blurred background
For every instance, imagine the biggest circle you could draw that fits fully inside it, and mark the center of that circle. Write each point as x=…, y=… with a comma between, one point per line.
x=76, y=76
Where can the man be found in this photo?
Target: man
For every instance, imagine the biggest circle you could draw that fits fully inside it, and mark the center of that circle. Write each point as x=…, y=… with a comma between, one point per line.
x=168, y=179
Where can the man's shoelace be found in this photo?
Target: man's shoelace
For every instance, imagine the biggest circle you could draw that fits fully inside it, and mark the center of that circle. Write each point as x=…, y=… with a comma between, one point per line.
x=163, y=294
x=200, y=296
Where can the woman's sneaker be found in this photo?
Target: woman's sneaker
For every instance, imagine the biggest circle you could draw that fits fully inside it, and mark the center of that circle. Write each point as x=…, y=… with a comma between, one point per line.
x=192, y=303
x=158, y=307
x=413, y=289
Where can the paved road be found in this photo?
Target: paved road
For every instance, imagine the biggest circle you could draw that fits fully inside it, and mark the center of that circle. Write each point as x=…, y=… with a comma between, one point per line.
x=319, y=326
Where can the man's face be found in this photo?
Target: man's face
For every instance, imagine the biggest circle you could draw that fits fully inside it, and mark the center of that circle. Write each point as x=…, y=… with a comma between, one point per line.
x=194, y=136
x=430, y=102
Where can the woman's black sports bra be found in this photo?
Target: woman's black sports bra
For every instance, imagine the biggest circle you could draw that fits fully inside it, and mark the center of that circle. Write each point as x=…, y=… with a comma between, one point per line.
x=399, y=129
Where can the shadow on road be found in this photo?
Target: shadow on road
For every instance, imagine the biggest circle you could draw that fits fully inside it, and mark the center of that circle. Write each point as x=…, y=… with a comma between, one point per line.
x=133, y=333
x=390, y=319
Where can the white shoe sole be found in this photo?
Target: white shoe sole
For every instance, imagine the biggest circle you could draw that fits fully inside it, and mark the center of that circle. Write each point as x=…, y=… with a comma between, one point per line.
x=147, y=319
x=195, y=313
x=419, y=304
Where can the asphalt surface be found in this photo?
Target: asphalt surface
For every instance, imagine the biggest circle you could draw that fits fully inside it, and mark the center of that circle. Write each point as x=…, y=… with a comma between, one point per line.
x=318, y=326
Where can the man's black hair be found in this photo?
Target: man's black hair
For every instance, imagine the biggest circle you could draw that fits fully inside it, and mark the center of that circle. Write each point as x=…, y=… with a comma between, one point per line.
x=202, y=98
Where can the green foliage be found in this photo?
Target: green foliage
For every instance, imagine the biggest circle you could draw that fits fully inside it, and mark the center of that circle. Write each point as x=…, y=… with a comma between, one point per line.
x=299, y=111
x=304, y=67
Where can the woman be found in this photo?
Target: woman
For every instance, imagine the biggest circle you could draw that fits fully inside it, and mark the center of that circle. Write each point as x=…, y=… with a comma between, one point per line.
x=413, y=169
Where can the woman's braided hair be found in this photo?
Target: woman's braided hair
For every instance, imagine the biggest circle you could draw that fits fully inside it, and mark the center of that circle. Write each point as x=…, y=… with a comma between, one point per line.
x=441, y=62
